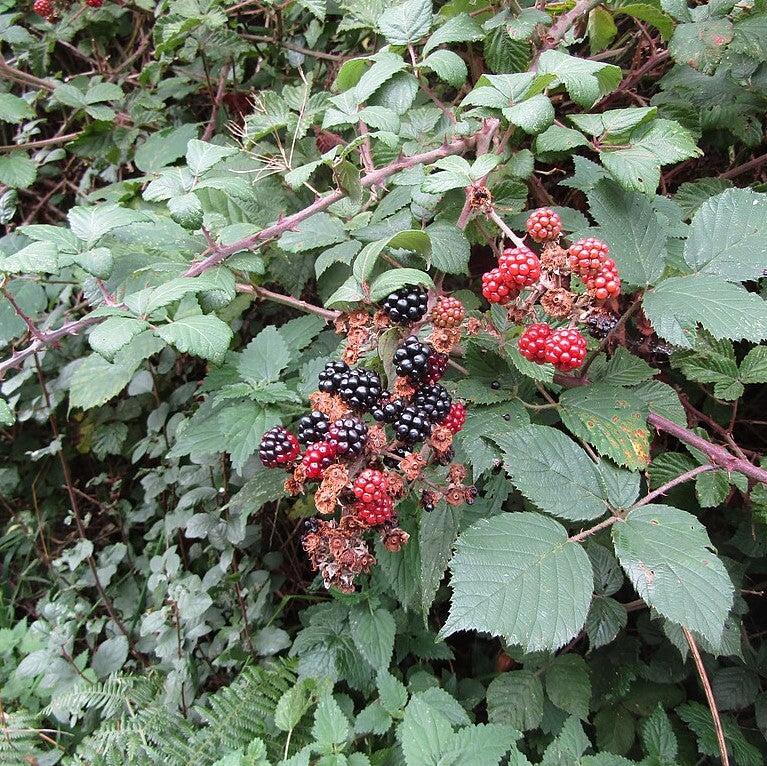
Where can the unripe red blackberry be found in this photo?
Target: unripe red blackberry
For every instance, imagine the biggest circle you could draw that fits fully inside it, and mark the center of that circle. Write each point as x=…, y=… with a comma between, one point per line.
x=316, y=459
x=278, y=447
x=94, y=3
x=544, y=225
x=606, y=284
x=373, y=504
x=347, y=436
x=312, y=428
x=456, y=417
x=588, y=256
x=406, y=305
x=434, y=402
x=519, y=266
x=532, y=342
x=566, y=349
x=496, y=289
x=448, y=312
x=373, y=515
x=411, y=359
x=437, y=366
x=43, y=8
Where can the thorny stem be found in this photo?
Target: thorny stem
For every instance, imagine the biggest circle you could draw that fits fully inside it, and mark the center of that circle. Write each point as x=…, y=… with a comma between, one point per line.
x=501, y=224
x=706, y=684
x=288, y=300
x=686, y=476
x=581, y=536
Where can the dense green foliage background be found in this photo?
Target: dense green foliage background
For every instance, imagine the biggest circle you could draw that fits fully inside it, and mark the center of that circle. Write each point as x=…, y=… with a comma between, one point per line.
x=191, y=192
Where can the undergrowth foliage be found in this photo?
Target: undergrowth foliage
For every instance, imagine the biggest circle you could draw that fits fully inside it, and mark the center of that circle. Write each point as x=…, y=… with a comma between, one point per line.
x=382, y=383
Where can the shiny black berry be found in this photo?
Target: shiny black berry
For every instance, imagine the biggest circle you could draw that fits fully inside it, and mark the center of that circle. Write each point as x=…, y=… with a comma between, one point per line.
x=411, y=359
x=348, y=436
x=332, y=377
x=388, y=410
x=495, y=385
x=600, y=324
x=312, y=428
x=361, y=389
x=412, y=426
x=427, y=501
x=434, y=402
x=278, y=447
x=406, y=305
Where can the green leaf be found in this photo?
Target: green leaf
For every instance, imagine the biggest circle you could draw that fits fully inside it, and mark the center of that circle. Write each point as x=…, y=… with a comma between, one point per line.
x=586, y=81
x=568, y=684
x=393, y=279
x=175, y=289
x=321, y=230
x=728, y=237
x=651, y=14
x=7, y=418
x=667, y=555
x=348, y=293
x=601, y=29
x=450, y=249
x=711, y=361
x=677, y=305
x=557, y=139
x=610, y=418
x=505, y=566
x=621, y=369
x=186, y=210
x=407, y=22
x=385, y=66
x=203, y=335
x=533, y=115
x=392, y=692
x=605, y=620
x=202, y=156
x=553, y=472
x=701, y=44
x=448, y=66
x=753, y=368
x=91, y=223
x=373, y=634
x=437, y=532
x=265, y=357
x=14, y=109
x=459, y=29
x=522, y=26
x=17, y=170
x=516, y=698
x=164, y=147
x=113, y=334
x=37, y=258
x=613, y=121
x=242, y=426
x=415, y=240
x=331, y=727
x=315, y=7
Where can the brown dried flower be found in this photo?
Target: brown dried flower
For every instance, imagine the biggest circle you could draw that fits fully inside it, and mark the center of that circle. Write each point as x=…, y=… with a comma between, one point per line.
x=335, y=478
x=456, y=473
x=455, y=495
x=395, y=484
x=395, y=539
x=376, y=440
x=554, y=258
x=473, y=325
x=441, y=438
x=412, y=466
x=480, y=198
x=558, y=303
x=358, y=318
x=293, y=486
x=325, y=500
x=445, y=339
x=381, y=320
x=328, y=404
x=404, y=388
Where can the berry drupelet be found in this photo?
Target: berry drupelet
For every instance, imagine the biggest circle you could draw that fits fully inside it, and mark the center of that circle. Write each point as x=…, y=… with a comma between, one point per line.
x=412, y=426
x=94, y=3
x=411, y=359
x=374, y=504
x=519, y=267
x=544, y=225
x=601, y=322
x=532, y=342
x=566, y=349
x=448, y=312
x=437, y=366
x=496, y=289
x=388, y=410
x=312, y=428
x=278, y=447
x=43, y=8
x=361, y=389
x=406, y=305
x=434, y=402
x=347, y=436
x=588, y=257
x=316, y=459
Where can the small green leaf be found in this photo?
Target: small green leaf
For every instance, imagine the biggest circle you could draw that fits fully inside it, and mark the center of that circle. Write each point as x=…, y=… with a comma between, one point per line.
x=407, y=22
x=393, y=279
x=202, y=156
x=17, y=170
x=373, y=634
x=203, y=335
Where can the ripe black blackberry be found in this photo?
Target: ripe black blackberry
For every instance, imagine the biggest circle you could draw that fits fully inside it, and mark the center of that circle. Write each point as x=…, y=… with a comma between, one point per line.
x=348, y=436
x=406, y=305
x=278, y=447
x=361, y=389
x=434, y=401
x=411, y=359
x=333, y=376
x=312, y=428
x=600, y=323
x=412, y=426
x=428, y=501
x=388, y=410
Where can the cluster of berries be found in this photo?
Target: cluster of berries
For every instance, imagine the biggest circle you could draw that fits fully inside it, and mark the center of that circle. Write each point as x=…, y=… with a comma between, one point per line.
x=364, y=467
x=548, y=276
x=47, y=9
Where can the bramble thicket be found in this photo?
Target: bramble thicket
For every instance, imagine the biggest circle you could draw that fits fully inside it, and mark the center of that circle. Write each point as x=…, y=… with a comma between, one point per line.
x=383, y=383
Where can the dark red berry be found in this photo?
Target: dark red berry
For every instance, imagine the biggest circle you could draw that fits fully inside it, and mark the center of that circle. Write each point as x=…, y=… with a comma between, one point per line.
x=406, y=305
x=544, y=225
x=588, y=256
x=448, y=312
x=600, y=323
x=374, y=505
x=316, y=459
x=437, y=366
x=566, y=349
x=94, y=3
x=532, y=342
x=519, y=266
x=43, y=8
x=375, y=515
x=278, y=447
x=347, y=436
x=456, y=417
x=496, y=289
